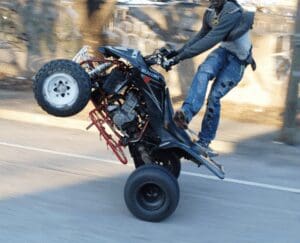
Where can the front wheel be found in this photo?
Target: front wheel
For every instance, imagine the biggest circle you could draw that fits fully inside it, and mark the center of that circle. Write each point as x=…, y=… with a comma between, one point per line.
x=62, y=88
x=151, y=193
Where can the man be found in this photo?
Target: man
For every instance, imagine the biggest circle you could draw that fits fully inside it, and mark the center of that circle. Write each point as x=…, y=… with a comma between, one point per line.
x=227, y=23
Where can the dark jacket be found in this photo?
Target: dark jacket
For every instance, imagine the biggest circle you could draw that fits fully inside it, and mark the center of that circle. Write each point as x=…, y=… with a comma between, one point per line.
x=230, y=24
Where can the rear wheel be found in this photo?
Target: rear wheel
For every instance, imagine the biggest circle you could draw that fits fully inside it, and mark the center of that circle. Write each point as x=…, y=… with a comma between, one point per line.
x=151, y=193
x=62, y=88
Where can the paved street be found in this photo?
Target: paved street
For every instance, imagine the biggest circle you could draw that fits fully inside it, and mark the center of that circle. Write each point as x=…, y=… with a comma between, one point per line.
x=62, y=185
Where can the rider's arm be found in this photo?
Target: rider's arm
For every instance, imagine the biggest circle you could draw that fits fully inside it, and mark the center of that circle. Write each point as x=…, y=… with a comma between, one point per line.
x=217, y=34
x=204, y=30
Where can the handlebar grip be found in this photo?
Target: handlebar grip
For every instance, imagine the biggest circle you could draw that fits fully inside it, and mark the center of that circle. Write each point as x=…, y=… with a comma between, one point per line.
x=150, y=60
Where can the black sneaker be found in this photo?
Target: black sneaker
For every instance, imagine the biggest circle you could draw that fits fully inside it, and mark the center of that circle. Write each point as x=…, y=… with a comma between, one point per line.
x=180, y=119
x=204, y=149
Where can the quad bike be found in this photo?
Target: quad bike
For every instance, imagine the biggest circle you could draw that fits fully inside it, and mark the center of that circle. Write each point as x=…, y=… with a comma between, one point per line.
x=132, y=108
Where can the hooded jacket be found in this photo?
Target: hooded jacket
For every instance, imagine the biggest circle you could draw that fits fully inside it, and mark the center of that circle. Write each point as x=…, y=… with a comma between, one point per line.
x=230, y=24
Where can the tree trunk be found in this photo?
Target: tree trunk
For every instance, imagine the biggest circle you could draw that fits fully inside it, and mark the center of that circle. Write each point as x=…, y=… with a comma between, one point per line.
x=289, y=131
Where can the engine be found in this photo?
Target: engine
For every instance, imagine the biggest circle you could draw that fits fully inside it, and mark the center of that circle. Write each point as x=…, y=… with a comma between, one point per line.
x=125, y=104
x=122, y=114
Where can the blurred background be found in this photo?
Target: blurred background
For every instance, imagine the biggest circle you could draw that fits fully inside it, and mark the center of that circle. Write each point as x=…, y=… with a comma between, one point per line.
x=33, y=32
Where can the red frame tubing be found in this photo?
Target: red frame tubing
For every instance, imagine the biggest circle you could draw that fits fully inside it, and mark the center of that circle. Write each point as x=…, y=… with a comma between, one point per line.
x=99, y=118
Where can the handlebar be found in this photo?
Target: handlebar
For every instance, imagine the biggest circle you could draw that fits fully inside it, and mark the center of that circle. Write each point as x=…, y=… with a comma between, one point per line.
x=159, y=56
x=151, y=59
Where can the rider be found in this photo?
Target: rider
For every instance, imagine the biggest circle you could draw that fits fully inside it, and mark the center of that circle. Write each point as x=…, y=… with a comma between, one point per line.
x=227, y=23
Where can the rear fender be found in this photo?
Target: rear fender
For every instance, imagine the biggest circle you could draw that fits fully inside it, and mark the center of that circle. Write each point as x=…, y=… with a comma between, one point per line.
x=192, y=155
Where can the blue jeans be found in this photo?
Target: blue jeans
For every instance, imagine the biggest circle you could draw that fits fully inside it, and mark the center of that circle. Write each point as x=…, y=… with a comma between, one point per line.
x=227, y=71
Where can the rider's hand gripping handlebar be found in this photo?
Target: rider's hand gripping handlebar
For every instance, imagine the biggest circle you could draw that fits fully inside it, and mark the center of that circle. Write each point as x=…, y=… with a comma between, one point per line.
x=162, y=57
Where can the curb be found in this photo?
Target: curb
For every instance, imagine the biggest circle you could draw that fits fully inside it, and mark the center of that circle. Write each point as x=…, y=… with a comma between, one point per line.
x=43, y=119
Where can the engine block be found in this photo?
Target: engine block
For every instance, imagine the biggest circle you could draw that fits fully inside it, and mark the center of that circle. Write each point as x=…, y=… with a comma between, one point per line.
x=125, y=113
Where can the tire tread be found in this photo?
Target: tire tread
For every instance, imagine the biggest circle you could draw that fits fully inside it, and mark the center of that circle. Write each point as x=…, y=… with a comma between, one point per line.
x=77, y=72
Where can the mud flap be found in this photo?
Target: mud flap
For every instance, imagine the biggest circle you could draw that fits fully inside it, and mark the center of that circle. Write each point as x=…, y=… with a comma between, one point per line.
x=216, y=168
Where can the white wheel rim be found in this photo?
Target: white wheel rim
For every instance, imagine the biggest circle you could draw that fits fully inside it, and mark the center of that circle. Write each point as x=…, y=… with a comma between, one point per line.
x=60, y=90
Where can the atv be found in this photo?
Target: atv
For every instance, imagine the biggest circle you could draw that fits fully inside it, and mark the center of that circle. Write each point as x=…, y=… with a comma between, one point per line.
x=132, y=108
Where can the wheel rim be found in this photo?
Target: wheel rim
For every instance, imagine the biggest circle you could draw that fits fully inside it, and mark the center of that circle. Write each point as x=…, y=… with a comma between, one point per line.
x=150, y=196
x=60, y=90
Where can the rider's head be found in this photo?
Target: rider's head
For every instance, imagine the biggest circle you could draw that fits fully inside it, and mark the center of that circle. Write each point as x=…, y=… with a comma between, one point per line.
x=217, y=3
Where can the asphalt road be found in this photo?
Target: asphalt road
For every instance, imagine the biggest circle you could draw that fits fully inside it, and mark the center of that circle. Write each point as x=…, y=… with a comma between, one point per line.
x=62, y=185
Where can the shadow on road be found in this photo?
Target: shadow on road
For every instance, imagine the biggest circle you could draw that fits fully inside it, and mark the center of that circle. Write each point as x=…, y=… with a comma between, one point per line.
x=93, y=210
